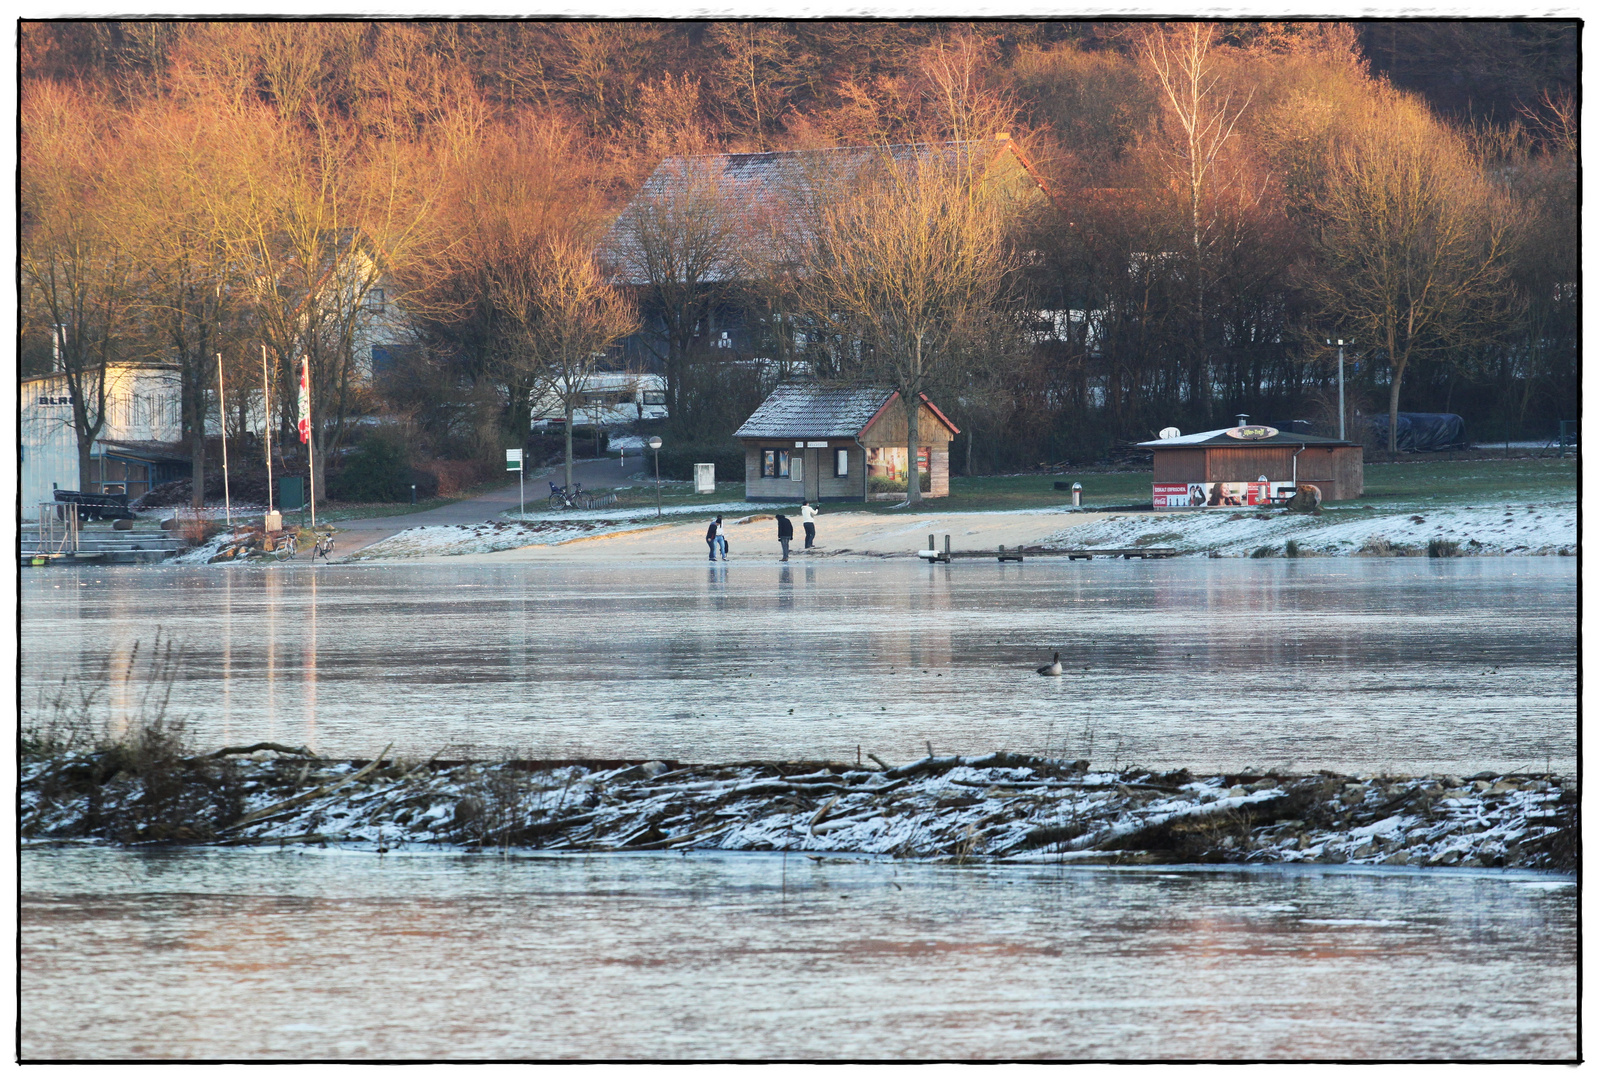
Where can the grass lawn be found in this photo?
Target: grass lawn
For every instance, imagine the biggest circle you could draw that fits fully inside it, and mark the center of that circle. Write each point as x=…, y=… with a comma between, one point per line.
x=1428, y=483
x=1413, y=483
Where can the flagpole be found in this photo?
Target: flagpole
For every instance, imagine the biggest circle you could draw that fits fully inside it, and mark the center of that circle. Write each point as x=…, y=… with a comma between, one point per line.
x=306, y=434
x=266, y=425
x=222, y=416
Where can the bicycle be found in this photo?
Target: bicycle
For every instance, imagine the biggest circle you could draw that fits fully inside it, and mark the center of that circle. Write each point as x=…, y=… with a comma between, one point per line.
x=324, y=547
x=560, y=500
x=288, y=546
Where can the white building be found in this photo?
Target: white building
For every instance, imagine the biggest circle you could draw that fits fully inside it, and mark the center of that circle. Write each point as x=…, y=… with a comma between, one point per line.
x=139, y=446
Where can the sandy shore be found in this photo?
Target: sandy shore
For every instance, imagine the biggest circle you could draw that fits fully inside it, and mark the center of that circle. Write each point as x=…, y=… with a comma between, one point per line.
x=838, y=534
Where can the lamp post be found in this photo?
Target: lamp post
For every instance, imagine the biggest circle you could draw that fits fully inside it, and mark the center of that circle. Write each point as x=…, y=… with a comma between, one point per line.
x=655, y=444
x=1340, y=386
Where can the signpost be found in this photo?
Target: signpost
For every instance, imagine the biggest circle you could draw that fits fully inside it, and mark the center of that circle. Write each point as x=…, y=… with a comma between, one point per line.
x=513, y=463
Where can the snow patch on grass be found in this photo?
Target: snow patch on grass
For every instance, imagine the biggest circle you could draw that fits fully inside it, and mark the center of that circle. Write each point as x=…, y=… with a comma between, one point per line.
x=1539, y=529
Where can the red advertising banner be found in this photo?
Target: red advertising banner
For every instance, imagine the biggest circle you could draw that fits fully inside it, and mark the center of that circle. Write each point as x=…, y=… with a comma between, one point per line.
x=305, y=400
x=1213, y=495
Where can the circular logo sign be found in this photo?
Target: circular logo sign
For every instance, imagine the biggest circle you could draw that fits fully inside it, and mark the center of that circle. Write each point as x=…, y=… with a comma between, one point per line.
x=1253, y=431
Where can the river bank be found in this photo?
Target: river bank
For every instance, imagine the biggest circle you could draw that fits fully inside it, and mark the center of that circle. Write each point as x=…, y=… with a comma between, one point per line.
x=1002, y=807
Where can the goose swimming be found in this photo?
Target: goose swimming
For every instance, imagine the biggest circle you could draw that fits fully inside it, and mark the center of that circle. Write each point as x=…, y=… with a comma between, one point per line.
x=1051, y=668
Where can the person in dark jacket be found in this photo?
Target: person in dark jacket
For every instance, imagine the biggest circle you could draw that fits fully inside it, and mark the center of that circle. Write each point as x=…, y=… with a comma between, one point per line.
x=785, y=533
x=711, y=536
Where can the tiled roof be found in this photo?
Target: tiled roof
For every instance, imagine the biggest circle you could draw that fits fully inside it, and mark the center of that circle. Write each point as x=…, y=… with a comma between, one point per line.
x=770, y=191
x=813, y=411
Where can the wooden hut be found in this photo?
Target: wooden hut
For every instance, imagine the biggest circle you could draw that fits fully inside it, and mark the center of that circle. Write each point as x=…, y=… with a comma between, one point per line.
x=1225, y=467
x=840, y=443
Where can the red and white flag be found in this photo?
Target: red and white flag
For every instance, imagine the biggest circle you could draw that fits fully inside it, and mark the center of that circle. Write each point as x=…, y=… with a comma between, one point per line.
x=305, y=400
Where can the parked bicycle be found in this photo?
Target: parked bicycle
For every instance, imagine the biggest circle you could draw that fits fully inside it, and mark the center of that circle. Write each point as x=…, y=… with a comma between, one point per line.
x=287, y=546
x=561, y=500
x=324, y=546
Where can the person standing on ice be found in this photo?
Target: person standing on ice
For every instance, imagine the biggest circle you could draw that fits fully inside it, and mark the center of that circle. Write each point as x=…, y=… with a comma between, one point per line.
x=785, y=533
x=808, y=516
x=712, y=535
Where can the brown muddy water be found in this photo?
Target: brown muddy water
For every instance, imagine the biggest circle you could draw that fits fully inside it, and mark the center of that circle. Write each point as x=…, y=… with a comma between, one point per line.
x=1356, y=665
x=310, y=953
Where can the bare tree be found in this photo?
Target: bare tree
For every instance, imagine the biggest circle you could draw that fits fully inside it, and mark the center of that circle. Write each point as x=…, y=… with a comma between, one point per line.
x=566, y=314
x=322, y=221
x=912, y=269
x=178, y=210
x=77, y=276
x=1416, y=241
x=1203, y=119
x=683, y=243
x=516, y=188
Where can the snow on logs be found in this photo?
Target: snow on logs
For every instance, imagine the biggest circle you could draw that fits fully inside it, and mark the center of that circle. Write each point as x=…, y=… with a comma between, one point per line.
x=1002, y=806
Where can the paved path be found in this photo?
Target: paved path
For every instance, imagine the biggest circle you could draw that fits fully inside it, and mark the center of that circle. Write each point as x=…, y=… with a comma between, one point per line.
x=358, y=533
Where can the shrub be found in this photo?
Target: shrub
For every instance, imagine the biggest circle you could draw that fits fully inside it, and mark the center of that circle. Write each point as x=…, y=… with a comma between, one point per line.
x=1291, y=549
x=450, y=477
x=885, y=483
x=378, y=470
x=1442, y=549
x=1262, y=552
x=678, y=459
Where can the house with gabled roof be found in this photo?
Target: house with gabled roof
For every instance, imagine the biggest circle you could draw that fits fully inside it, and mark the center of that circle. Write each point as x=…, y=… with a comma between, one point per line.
x=767, y=199
x=828, y=443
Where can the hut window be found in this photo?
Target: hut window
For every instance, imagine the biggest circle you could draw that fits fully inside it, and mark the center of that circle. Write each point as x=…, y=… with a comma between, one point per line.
x=774, y=463
x=797, y=469
x=840, y=462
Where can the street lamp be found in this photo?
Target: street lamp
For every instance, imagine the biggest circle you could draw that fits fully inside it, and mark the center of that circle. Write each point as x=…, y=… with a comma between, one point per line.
x=655, y=444
x=1340, y=386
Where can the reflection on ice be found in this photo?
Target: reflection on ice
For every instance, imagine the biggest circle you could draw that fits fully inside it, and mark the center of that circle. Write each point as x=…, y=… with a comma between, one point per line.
x=339, y=954
x=1401, y=665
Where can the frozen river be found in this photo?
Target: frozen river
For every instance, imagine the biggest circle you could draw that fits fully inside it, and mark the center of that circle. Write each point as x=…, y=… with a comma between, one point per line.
x=1352, y=664
x=317, y=954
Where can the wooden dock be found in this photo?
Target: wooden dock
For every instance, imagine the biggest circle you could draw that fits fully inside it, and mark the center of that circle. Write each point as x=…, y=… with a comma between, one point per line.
x=1018, y=554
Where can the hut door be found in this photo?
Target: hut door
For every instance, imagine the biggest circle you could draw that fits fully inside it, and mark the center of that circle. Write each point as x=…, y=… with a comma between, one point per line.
x=813, y=475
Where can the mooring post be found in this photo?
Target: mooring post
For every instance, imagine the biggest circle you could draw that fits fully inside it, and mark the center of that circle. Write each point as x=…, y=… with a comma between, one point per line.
x=946, y=547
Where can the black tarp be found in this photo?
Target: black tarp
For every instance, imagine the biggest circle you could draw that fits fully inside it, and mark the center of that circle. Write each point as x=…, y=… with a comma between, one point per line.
x=1421, y=431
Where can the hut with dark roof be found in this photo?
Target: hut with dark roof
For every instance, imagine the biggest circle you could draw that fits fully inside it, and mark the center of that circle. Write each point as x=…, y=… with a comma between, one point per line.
x=840, y=443
x=1252, y=464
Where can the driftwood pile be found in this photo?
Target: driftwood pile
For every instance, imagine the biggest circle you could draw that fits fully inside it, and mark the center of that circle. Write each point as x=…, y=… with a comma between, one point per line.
x=1002, y=806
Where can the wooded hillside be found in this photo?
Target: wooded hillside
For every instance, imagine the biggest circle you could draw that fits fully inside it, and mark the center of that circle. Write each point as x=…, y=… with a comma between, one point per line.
x=1224, y=198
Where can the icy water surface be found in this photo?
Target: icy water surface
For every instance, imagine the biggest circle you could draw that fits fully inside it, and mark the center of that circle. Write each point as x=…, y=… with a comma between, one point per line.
x=344, y=954
x=1352, y=664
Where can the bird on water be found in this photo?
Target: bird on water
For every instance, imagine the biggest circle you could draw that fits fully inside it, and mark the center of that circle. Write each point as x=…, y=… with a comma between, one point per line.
x=1052, y=668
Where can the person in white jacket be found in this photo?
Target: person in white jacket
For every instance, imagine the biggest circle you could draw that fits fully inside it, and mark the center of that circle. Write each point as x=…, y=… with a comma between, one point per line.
x=808, y=516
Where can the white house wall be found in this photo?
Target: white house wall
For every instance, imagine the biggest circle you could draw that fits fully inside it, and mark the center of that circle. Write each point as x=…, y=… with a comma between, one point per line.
x=142, y=405
x=49, y=447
